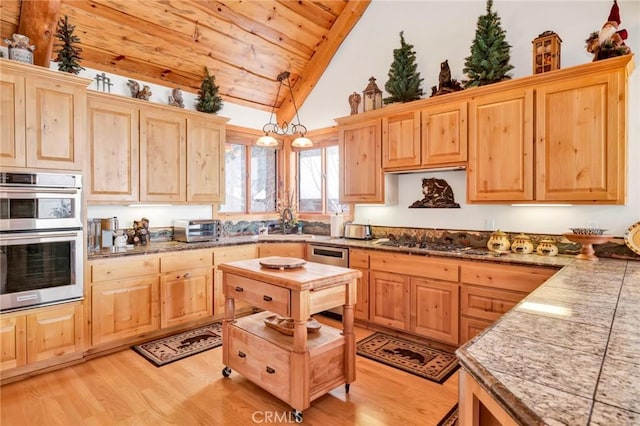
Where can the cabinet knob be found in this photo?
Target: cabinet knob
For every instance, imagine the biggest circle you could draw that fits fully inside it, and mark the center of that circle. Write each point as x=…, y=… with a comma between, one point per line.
x=239, y=289
x=267, y=298
x=270, y=370
x=242, y=354
x=187, y=275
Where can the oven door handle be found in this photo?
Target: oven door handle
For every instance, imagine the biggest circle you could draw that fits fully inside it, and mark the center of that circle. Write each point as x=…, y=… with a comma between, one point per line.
x=38, y=237
x=37, y=193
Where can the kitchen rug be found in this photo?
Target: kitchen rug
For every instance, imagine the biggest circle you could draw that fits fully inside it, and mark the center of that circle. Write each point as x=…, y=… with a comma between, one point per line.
x=415, y=358
x=178, y=346
x=451, y=418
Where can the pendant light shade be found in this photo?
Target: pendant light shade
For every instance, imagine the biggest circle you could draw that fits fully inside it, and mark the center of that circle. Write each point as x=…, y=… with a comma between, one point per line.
x=286, y=128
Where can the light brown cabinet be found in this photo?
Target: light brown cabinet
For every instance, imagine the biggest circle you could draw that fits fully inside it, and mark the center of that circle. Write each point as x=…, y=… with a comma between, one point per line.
x=186, y=287
x=43, y=117
x=428, y=134
x=361, y=179
x=500, y=166
x=434, y=309
x=124, y=298
x=359, y=259
x=389, y=294
x=115, y=173
x=153, y=153
x=554, y=137
x=488, y=291
x=40, y=338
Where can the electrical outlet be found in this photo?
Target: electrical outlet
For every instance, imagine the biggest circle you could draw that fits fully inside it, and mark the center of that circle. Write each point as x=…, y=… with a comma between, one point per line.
x=490, y=224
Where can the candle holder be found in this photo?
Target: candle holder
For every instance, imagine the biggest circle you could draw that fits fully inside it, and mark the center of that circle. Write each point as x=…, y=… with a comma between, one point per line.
x=587, y=242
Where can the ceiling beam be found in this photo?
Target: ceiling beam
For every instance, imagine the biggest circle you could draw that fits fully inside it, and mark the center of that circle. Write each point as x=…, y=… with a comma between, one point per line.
x=320, y=60
x=38, y=21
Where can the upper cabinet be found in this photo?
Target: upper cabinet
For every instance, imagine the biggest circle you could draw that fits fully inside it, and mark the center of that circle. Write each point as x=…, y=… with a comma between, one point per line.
x=43, y=117
x=567, y=145
x=429, y=134
x=153, y=153
x=361, y=177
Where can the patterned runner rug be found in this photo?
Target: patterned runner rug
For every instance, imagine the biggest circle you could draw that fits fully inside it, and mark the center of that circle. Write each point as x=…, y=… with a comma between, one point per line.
x=451, y=418
x=178, y=346
x=415, y=358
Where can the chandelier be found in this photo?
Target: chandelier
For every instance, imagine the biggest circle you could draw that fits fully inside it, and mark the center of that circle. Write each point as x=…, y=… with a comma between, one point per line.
x=286, y=128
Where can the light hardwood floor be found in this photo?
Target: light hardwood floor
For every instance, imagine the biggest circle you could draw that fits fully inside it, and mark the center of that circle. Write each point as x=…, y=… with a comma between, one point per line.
x=125, y=389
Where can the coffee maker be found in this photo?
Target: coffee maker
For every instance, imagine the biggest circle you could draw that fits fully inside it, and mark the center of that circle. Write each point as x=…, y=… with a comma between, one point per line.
x=108, y=228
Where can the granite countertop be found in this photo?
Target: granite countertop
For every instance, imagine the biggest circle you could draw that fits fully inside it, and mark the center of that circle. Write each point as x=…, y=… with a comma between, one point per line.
x=568, y=353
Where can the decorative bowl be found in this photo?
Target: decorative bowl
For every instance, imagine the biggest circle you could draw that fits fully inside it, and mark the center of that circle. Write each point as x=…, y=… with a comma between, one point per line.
x=587, y=231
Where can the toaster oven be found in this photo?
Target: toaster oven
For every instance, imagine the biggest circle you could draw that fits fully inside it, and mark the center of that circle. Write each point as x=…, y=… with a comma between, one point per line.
x=190, y=231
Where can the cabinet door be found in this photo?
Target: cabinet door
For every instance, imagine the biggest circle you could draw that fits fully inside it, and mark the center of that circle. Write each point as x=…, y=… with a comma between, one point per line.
x=55, y=123
x=361, y=309
x=389, y=299
x=124, y=308
x=12, y=119
x=54, y=332
x=500, y=166
x=162, y=156
x=205, y=160
x=434, y=309
x=361, y=176
x=471, y=327
x=113, y=149
x=401, y=140
x=580, y=144
x=444, y=134
x=13, y=341
x=186, y=295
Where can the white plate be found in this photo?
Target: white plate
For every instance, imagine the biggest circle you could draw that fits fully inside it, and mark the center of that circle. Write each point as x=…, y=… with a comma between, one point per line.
x=632, y=237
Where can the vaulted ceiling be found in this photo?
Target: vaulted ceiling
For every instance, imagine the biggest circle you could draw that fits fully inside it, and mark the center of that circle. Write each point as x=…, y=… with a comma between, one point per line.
x=245, y=44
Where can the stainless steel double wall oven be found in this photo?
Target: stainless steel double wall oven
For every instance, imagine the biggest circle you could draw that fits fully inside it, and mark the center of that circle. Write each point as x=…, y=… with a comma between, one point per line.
x=41, y=239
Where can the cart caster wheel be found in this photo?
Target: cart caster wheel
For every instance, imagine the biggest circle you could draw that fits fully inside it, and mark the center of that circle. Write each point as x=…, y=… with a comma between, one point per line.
x=226, y=372
x=297, y=416
x=346, y=387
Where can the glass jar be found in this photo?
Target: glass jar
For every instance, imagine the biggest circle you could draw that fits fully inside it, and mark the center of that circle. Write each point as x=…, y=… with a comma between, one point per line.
x=522, y=244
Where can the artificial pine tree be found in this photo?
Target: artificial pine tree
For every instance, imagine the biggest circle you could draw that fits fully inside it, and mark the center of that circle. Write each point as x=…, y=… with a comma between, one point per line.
x=208, y=99
x=404, y=82
x=68, y=55
x=489, y=60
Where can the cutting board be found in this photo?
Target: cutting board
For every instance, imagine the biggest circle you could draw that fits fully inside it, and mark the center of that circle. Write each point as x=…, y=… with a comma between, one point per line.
x=276, y=262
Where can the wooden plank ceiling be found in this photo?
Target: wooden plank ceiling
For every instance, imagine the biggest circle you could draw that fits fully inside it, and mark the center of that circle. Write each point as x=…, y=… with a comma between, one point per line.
x=244, y=43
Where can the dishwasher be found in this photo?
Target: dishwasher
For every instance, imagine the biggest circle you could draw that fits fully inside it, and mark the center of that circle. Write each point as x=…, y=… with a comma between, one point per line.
x=329, y=255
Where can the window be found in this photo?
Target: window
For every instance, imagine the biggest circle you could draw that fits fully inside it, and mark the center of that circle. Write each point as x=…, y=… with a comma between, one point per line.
x=318, y=170
x=249, y=170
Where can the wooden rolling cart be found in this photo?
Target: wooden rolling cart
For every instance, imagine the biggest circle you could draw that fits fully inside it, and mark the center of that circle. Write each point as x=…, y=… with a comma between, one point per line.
x=300, y=368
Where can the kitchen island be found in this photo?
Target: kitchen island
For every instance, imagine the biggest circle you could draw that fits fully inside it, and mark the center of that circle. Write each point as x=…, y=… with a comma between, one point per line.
x=567, y=354
x=301, y=367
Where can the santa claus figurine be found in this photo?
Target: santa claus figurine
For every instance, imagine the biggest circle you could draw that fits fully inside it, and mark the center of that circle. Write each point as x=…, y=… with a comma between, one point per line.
x=609, y=42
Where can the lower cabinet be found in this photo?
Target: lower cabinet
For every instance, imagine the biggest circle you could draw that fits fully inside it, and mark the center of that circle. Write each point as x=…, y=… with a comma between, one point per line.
x=48, y=335
x=186, y=287
x=488, y=291
x=389, y=299
x=434, y=309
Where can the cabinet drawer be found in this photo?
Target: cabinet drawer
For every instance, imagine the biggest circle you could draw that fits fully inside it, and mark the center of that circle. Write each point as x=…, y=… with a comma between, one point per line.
x=232, y=253
x=186, y=260
x=124, y=268
x=419, y=266
x=358, y=259
x=260, y=361
x=262, y=295
x=517, y=278
x=487, y=303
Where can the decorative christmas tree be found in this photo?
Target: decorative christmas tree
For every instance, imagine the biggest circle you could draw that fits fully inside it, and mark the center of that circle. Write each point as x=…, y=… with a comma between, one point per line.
x=489, y=60
x=208, y=99
x=68, y=55
x=404, y=82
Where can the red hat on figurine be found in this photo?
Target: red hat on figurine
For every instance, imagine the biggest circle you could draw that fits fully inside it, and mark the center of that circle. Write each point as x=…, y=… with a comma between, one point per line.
x=614, y=16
